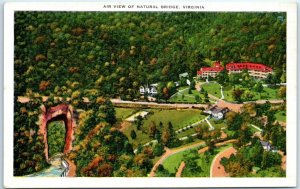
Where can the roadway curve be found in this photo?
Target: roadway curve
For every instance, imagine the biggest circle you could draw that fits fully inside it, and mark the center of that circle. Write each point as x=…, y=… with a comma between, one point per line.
x=216, y=168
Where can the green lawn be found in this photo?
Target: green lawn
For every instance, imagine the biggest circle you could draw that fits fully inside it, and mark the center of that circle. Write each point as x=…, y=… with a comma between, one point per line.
x=141, y=138
x=172, y=163
x=123, y=113
x=178, y=118
x=281, y=116
x=227, y=91
x=213, y=89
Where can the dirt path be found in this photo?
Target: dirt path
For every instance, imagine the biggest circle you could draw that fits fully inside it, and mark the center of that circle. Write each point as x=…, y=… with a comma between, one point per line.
x=216, y=169
x=72, y=169
x=170, y=152
x=124, y=125
x=180, y=169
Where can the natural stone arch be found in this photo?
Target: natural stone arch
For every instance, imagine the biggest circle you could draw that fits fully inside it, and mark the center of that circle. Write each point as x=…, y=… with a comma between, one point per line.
x=63, y=112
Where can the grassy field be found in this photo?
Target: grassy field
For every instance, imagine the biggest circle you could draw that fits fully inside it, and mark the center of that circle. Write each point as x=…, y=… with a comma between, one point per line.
x=123, y=113
x=172, y=163
x=281, y=116
x=178, y=118
x=213, y=89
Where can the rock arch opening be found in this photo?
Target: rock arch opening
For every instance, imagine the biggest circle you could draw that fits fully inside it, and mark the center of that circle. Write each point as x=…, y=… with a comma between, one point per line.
x=63, y=112
x=56, y=135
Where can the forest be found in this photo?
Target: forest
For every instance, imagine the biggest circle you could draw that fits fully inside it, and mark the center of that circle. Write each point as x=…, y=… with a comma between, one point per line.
x=113, y=54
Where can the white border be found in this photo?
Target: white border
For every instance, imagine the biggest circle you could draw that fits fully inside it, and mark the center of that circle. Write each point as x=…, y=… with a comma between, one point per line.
x=18, y=182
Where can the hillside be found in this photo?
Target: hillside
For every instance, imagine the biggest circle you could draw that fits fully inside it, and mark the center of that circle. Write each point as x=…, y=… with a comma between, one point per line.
x=112, y=54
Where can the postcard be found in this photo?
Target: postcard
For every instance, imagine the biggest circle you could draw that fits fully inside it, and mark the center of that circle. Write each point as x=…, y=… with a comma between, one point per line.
x=150, y=95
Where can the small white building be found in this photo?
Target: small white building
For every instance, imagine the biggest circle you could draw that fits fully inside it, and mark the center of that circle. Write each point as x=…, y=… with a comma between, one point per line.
x=151, y=89
x=267, y=146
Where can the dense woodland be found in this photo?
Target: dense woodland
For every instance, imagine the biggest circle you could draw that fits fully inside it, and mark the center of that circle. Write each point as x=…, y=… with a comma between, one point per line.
x=112, y=54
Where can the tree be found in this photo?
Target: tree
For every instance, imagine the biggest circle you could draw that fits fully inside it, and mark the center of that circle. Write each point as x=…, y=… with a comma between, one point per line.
x=191, y=162
x=237, y=94
x=158, y=149
x=152, y=129
x=249, y=108
x=258, y=87
x=166, y=93
x=270, y=159
x=222, y=77
x=244, y=135
x=139, y=122
x=192, y=85
x=234, y=79
x=282, y=92
x=166, y=137
x=202, y=131
x=109, y=109
x=248, y=95
x=133, y=134
x=206, y=98
x=230, y=117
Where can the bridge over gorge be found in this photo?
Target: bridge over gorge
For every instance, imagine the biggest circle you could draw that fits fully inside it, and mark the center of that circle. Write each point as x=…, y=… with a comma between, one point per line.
x=67, y=114
x=62, y=112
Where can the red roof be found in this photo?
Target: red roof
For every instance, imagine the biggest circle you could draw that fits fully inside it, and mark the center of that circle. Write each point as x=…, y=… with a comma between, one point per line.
x=248, y=66
x=217, y=67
